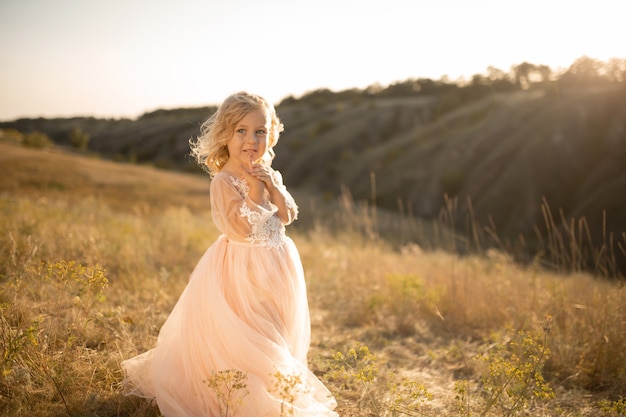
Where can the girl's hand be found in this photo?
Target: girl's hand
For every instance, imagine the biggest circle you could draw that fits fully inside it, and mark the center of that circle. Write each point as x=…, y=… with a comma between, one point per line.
x=259, y=173
x=260, y=178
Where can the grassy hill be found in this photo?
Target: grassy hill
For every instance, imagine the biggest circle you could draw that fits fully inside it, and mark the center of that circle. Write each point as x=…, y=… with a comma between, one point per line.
x=505, y=153
x=94, y=254
x=501, y=158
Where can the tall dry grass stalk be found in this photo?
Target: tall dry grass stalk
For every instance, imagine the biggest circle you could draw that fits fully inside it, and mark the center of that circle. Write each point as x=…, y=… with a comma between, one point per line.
x=562, y=244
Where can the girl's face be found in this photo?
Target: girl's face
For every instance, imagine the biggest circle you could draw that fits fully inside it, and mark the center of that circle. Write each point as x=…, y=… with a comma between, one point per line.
x=250, y=139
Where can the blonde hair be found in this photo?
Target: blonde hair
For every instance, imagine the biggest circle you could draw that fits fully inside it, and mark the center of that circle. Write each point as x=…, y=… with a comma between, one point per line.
x=210, y=150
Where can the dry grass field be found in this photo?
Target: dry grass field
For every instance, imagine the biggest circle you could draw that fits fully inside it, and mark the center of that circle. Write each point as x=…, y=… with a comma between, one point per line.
x=94, y=254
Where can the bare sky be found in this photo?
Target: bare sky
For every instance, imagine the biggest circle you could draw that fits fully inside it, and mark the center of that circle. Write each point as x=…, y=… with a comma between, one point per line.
x=119, y=58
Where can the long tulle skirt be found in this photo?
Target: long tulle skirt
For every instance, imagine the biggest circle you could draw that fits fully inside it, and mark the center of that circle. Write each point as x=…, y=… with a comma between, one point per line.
x=236, y=342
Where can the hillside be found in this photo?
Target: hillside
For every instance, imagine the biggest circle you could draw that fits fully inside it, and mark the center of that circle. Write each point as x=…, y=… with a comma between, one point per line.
x=507, y=153
x=122, y=186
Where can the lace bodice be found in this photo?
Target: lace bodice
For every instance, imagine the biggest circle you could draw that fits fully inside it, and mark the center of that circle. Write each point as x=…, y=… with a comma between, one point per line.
x=244, y=221
x=267, y=228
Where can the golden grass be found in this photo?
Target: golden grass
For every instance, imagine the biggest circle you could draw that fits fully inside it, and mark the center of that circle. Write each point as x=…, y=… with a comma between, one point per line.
x=127, y=187
x=425, y=315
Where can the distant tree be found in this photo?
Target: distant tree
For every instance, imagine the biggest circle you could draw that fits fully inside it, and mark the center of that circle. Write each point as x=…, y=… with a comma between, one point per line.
x=495, y=74
x=288, y=100
x=36, y=140
x=544, y=72
x=584, y=70
x=11, y=136
x=401, y=89
x=525, y=75
x=79, y=139
x=616, y=70
x=479, y=79
x=499, y=80
x=428, y=86
x=374, y=89
x=522, y=74
x=318, y=98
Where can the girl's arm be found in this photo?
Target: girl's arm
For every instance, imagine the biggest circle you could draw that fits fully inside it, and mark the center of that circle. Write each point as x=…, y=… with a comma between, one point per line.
x=280, y=197
x=259, y=178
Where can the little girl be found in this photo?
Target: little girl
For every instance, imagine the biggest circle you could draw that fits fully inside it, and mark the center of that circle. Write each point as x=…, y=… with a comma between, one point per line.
x=243, y=319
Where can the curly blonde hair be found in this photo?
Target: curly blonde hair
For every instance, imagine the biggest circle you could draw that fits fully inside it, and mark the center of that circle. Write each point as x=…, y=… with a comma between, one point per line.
x=210, y=150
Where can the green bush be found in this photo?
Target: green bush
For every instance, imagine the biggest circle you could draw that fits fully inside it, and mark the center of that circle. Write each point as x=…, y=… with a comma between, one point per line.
x=37, y=140
x=79, y=139
x=11, y=136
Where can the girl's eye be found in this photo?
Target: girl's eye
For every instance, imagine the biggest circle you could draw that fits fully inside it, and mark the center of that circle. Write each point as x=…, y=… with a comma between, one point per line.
x=240, y=130
x=261, y=132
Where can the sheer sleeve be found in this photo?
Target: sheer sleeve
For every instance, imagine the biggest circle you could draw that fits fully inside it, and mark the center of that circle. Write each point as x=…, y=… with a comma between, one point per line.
x=290, y=203
x=240, y=218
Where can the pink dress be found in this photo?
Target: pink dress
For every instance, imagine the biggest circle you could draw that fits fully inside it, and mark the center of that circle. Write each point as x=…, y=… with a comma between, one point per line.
x=244, y=309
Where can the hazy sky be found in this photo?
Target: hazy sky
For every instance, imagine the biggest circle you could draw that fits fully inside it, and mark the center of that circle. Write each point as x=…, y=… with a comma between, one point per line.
x=112, y=58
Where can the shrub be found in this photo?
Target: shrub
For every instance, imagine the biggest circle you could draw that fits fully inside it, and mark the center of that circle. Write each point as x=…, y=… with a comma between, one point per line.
x=79, y=139
x=37, y=140
x=11, y=136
